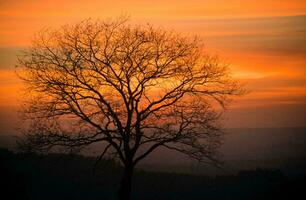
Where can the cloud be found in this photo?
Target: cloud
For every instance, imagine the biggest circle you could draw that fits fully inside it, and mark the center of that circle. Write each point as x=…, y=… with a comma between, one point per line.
x=275, y=83
x=290, y=115
x=283, y=36
x=272, y=92
x=8, y=57
x=268, y=52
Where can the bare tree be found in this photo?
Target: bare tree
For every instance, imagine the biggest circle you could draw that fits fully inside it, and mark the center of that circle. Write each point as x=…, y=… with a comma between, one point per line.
x=133, y=88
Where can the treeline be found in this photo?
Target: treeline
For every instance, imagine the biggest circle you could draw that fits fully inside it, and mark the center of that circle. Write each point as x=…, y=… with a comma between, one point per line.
x=62, y=176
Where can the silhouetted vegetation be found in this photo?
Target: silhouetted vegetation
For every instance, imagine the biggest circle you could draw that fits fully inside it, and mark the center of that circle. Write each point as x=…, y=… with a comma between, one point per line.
x=62, y=176
x=133, y=88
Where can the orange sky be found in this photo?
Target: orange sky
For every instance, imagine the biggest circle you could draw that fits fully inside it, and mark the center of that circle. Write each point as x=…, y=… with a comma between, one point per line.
x=264, y=42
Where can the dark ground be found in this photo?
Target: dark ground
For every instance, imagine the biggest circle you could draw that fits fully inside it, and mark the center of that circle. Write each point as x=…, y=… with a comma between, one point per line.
x=58, y=176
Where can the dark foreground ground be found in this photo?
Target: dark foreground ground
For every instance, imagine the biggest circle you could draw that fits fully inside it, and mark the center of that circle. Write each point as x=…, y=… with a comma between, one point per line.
x=56, y=177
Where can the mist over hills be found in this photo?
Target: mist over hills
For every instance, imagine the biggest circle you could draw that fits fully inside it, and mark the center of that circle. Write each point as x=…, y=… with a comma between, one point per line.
x=242, y=149
x=258, y=164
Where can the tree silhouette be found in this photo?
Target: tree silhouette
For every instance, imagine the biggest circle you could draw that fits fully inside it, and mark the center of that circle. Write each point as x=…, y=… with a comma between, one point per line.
x=133, y=88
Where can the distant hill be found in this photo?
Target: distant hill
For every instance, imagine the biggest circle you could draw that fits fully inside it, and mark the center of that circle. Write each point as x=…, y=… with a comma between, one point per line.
x=242, y=149
x=61, y=177
x=7, y=141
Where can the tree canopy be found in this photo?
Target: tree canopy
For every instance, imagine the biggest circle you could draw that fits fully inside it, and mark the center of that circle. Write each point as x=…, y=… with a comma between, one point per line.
x=134, y=88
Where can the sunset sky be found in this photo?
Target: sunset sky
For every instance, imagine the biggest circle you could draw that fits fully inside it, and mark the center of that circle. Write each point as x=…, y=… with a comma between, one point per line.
x=263, y=41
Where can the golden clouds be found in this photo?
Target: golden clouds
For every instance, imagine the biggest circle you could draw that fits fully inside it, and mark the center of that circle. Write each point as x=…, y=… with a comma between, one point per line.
x=9, y=88
x=264, y=41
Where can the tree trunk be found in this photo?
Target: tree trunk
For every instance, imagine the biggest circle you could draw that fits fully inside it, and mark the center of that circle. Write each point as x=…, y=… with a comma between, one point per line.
x=126, y=183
